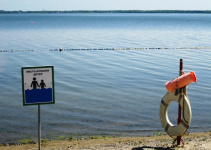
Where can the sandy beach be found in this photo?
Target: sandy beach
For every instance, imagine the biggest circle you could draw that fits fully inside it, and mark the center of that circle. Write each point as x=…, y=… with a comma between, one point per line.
x=192, y=141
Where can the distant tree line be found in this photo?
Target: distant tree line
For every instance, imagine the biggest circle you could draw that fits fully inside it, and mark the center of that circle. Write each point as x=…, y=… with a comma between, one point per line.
x=108, y=11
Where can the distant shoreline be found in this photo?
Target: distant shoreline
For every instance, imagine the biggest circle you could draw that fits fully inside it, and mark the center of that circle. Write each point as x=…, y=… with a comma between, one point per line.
x=110, y=11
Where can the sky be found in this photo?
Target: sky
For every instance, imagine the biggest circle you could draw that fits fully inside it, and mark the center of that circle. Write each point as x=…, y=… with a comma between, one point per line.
x=34, y=5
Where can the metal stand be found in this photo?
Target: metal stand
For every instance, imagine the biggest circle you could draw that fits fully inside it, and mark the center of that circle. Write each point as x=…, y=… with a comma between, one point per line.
x=39, y=129
x=179, y=138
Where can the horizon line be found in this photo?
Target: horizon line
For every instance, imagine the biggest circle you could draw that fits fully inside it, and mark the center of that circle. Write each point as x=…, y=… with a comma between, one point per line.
x=105, y=11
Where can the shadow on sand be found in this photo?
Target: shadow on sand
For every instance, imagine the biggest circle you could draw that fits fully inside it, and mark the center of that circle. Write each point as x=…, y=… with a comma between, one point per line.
x=149, y=147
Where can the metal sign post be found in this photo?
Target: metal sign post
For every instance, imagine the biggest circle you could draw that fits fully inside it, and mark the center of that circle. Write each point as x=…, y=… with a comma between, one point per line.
x=39, y=129
x=37, y=89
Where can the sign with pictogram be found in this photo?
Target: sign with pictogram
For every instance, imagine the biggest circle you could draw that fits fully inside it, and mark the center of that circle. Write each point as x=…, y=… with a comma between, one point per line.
x=38, y=85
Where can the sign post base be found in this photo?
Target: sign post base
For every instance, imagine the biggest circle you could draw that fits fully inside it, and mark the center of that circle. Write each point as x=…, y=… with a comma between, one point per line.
x=39, y=129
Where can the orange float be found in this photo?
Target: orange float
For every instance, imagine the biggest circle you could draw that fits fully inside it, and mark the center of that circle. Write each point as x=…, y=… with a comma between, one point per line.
x=181, y=81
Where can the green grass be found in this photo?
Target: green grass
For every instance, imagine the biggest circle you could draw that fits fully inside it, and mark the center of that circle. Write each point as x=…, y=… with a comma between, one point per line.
x=27, y=141
x=72, y=139
x=156, y=133
x=87, y=138
x=44, y=140
x=63, y=137
x=98, y=137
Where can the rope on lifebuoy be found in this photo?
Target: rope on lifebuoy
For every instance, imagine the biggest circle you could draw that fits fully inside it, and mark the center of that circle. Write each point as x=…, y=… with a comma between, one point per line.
x=181, y=128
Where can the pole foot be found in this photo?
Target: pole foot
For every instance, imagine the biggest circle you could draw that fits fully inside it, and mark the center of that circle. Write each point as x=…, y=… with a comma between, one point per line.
x=180, y=142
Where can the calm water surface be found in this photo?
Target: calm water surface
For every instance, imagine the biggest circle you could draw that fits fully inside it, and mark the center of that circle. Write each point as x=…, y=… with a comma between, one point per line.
x=109, y=92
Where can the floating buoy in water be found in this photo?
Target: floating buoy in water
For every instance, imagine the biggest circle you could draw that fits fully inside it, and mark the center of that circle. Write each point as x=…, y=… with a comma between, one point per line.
x=32, y=22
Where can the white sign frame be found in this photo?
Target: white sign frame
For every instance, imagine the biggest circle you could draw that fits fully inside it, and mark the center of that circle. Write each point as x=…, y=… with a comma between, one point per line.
x=38, y=85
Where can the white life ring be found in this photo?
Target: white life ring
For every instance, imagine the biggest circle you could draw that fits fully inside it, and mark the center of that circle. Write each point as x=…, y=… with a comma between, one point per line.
x=181, y=128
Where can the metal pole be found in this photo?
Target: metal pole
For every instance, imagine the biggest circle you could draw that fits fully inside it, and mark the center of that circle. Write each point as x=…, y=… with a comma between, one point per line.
x=179, y=109
x=39, y=129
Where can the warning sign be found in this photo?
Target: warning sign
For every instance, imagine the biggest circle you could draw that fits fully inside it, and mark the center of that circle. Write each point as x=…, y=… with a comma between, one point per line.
x=38, y=85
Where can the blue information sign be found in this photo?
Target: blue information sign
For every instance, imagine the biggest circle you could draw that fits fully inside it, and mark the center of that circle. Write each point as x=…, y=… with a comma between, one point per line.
x=38, y=85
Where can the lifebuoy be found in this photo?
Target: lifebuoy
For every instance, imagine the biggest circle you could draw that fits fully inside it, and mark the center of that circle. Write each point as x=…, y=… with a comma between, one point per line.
x=181, y=128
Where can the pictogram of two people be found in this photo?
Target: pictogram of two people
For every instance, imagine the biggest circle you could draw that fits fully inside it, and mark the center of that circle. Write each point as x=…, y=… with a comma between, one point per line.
x=35, y=84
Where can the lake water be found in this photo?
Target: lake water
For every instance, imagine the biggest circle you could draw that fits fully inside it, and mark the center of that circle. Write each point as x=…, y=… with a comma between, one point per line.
x=103, y=92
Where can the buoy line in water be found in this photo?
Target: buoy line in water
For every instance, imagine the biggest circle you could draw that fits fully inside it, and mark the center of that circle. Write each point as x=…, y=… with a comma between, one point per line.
x=98, y=49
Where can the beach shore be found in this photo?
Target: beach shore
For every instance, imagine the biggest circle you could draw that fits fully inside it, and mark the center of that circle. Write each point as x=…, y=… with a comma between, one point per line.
x=192, y=141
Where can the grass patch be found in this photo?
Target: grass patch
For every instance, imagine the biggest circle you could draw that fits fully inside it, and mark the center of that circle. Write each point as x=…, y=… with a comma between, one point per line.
x=86, y=138
x=204, y=139
x=27, y=141
x=72, y=139
x=44, y=140
x=60, y=137
x=98, y=137
x=156, y=133
x=31, y=141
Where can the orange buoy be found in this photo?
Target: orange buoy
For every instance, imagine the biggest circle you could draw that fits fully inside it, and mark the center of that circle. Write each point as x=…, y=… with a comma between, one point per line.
x=181, y=81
